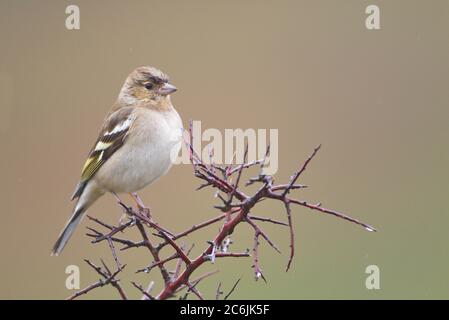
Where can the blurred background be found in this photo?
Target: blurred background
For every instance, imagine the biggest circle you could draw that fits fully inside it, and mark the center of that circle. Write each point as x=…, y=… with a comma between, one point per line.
x=377, y=100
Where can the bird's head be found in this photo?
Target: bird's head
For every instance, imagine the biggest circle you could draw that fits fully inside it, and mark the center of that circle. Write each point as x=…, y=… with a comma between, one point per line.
x=147, y=85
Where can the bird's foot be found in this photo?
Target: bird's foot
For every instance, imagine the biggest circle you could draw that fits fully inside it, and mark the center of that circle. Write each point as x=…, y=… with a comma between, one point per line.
x=126, y=218
x=141, y=206
x=146, y=212
x=123, y=219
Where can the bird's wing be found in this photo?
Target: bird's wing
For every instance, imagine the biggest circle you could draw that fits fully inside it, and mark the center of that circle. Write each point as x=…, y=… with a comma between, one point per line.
x=112, y=136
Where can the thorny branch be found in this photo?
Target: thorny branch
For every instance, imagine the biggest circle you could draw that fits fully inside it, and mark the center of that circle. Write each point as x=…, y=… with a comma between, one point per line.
x=235, y=209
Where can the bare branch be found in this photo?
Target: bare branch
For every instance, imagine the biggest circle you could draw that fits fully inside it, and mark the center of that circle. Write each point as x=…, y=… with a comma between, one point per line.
x=300, y=171
x=108, y=279
x=236, y=206
x=144, y=292
x=232, y=289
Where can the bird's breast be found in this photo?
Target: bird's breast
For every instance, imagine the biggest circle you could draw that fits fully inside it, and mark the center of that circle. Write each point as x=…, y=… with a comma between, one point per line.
x=146, y=155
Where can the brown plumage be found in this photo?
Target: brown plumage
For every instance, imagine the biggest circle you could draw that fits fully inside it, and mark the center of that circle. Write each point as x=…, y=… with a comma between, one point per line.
x=134, y=146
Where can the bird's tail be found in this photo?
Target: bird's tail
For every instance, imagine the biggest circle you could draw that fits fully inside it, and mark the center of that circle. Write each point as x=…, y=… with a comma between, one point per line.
x=71, y=225
x=86, y=199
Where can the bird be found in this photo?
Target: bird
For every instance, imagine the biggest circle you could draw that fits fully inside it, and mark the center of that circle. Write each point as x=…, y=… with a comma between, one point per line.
x=138, y=141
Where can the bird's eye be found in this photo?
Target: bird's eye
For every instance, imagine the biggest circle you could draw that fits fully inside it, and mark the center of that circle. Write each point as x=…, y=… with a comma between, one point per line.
x=149, y=86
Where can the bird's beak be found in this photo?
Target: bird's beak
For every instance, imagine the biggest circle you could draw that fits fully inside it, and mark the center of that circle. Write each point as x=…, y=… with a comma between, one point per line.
x=167, y=88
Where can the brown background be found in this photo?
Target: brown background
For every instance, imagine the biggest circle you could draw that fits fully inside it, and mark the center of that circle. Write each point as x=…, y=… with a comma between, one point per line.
x=376, y=100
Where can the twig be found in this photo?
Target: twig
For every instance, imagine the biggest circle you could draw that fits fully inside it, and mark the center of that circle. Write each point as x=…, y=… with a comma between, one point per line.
x=332, y=212
x=300, y=171
x=178, y=250
x=144, y=292
x=219, y=292
x=193, y=289
x=257, y=270
x=115, y=283
x=263, y=234
x=268, y=220
x=154, y=252
x=108, y=279
x=232, y=289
